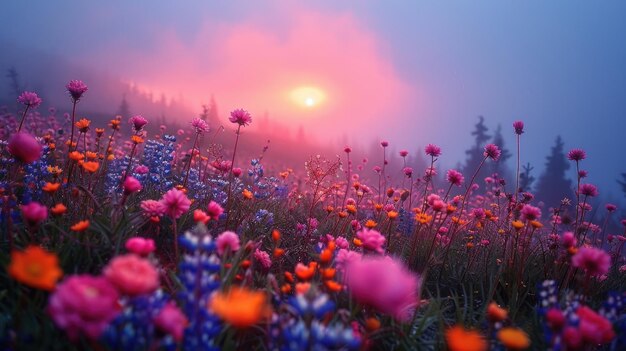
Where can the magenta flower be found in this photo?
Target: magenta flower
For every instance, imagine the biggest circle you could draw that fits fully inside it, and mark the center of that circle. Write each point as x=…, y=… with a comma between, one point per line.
x=29, y=99
x=384, y=143
x=34, y=213
x=492, y=151
x=76, y=88
x=140, y=246
x=214, y=210
x=132, y=275
x=241, y=117
x=385, y=284
x=576, y=155
x=404, y=153
x=611, y=207
x=131, y=185
x=227, y=242
x=530, y=213
x=347, y=150
x=568, y=240
x=345, y=257
x=172, y=321
x=595, y=262
x=263, y=258
x=593, y=327
x=200, y=125
x=152, y=208
x=83, y=305
x=138, y=122
x=175, y=203
x=408, y=171
x=455, y=177
x=432, y=150
x=24, y=147
x=519, y=127
x=588, y=190
x=372, y=240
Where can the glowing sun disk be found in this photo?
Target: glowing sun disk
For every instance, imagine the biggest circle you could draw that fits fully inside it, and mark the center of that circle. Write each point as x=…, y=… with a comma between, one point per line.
x=307, y=96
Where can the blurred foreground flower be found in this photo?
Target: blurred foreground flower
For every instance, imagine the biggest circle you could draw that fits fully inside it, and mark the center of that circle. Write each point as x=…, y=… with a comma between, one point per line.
x=35, y=267
x=240, y=307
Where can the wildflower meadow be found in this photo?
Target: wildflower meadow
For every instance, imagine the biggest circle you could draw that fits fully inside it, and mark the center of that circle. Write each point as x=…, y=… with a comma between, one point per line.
x=130, y=236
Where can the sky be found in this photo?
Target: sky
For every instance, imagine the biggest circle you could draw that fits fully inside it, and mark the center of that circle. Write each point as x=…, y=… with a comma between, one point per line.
x=411, y=72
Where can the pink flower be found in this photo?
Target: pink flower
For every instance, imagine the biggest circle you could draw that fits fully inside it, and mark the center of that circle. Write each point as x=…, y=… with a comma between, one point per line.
x=152, y=208
x=341, y=242
x=576, y=155
x=372, y=240
x=455, y=177
x=530, y=213
x=345, y=257
x=83, y=305
x=227, y=242
x=555, y=318
x=131, y=185
x=384, y=284
x=347, y=149
x=263, y=258
x=76, y=88
x=408, y=171
x=611, y=207
x=141, y=169
x=588, y=190
x=175, y=203
x=568, y=239
x=140, y=246
x=241, y=117
x=24, y=147
x=214, y=210
x=138, y=122
x=594, y=261
x=384, y=143
x=236, y=172
x=492, y=151
x=172, y=321
x=594, y=328
x=34, y=213
x=200, y=125
x=404, y=153
x=29, y=99
x=519, y=127
x=132, y=275
x=432, y=150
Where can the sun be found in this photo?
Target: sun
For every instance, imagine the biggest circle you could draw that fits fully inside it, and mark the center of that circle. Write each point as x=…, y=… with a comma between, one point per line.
x=307, y=96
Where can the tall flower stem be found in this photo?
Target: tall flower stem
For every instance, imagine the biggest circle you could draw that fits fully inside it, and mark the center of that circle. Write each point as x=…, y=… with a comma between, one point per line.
x=230, y=178
x=193, y=149
x=23, y=118
x=517, y=173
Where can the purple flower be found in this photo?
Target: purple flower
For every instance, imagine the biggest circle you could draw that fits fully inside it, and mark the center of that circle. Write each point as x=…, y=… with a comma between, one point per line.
x=404, y=153
x=241, y=117
x=455, y=177
x=384, y=143
x=519, y=127
x=595, y=261
x=138, y=122
x=432, y=150
x=201, y=125
x=492, y=151
x=76, y=88
x=29, y=99
x=530, y=213
x=576, y=155
x=611, y=207
x=372, y=240
x=588, y=190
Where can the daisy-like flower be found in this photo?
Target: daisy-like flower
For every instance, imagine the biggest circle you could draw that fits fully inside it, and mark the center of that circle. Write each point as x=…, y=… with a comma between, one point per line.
x=241, y=117
x=492, y=151
x=35, y=267
x=576, y=155
x=432, y=150
x=200, y=125
x=29, y=99
x=455, y=177
x=175, y=203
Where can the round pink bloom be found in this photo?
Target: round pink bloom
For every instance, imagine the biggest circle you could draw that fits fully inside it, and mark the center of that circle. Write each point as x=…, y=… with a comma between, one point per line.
x=175, y=203
x=152, y=208
x=594, y=328
x=384, y=143
x=384, y=284
x=241, y=117
x=24, y=147
x=140, y=246
x=576, y=155
x=200, y=125
x=172, y=321
x=432, y=150
x=138, y=122
x=519, y=127
x=345, y=257
x=342, y=242
x=595, y=261
x=530, y=213
x=408, y=171
x=568, y=239
x=131, y=185
x=455, y=177
x=492, y=151
x=132, y=275
x=76, y=88
x=83, y=305
x=404, y=153
x=214, y=210
x=263, y=258
x=347, y=149
x=29, y=99
x=227, y=242
x=372, y=240
x=588, y=190
x=611, y=207
x=141, y=169
x=236, y=172
x=34, y=212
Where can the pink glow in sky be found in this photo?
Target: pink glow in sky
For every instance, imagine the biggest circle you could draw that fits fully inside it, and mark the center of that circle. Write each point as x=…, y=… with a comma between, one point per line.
x=248, y=65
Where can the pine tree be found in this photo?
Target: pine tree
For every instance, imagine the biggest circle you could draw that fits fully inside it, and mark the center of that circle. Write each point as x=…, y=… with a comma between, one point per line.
x=475, y=154
x=623, y=183
x=500, y=167
x=124, y=109
x=525, y=179
x=213, y=115
x=14, y=83
x=553, y=184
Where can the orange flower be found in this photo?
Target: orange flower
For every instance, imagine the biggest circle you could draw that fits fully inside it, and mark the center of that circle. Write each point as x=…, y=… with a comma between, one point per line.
x=51, y=187
x=278, y=252
x=58, y=209
x=496, y=313
x=370, y=223
x=115, y=124
x=247, y=194
x=91, y=155
x=289, y=277
x=392, y=214
x=378, y=207
x=328, y=273
x=83, y=125
x=305, y=273
x=513, y=338
x=357, y=242
x=351, y=209
x=326, y=256
x=275, y=235
x=460, y=339
x=517, y=225
x=55, y=171
x=372, y=324
x=35, y=267
x=76, y=156
x=536, y=224
x=343, y=214
x=285, y=289
x=329, y=209
x=91, y=166
x=136, y=139
x=333, y=285
x=302, y=288
x=240, y=307
x=80, y=226
x=423, y=218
